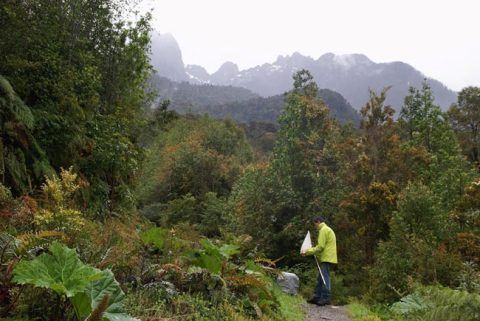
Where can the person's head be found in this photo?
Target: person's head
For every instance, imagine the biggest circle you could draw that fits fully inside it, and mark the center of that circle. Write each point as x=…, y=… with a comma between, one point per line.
x=318, y=220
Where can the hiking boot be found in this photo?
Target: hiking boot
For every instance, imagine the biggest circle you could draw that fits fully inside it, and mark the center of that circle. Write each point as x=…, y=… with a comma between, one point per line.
x=323, y=302
x=314, y=301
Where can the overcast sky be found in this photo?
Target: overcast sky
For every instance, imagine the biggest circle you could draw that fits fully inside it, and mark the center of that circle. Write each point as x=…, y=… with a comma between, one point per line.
x=440, y=38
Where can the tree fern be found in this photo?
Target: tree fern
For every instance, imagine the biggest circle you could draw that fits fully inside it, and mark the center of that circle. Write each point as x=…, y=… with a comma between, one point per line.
x=22, y=160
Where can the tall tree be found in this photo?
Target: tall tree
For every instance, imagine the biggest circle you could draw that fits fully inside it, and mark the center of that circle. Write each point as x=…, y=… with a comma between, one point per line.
x=301, y=152
x=368, y=208
x=426, y=127
x=465, y=119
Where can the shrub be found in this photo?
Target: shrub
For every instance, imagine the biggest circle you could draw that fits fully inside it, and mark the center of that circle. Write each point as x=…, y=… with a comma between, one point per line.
x=439, y=304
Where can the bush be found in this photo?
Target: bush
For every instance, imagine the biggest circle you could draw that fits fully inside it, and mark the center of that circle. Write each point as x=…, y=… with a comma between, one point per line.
x=417, y=250
x=439, y=304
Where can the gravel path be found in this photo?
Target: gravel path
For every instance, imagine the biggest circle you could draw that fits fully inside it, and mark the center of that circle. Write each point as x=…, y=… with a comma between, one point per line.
x=326, y=313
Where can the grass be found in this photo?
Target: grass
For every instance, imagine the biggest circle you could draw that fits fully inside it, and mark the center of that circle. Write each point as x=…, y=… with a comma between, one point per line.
x=290, y=306
x=362, y=312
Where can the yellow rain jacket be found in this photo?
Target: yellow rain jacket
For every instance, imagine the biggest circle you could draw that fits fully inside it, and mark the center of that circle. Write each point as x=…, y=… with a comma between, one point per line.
x=326, y=249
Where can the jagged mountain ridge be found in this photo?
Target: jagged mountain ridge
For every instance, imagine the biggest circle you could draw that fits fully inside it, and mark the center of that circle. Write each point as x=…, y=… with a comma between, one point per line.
x=350, y=75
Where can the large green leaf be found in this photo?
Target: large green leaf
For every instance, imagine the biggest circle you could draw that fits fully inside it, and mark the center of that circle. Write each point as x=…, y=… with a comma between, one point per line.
x=62, y=271
x=228, y=250
x=86, y=302
x=409, y=304
x=154, y=236
x=210, y=258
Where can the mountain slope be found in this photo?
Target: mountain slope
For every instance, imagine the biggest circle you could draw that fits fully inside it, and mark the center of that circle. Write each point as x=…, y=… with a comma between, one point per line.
x=238, y=103
x=268, y=109
x=186, y=97
x=350, y=75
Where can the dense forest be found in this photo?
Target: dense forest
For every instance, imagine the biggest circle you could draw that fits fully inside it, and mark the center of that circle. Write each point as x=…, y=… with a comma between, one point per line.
x=113, y=210
x=238, y=103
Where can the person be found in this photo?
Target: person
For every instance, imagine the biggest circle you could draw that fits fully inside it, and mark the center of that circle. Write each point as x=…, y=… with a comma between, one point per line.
x=326, y=253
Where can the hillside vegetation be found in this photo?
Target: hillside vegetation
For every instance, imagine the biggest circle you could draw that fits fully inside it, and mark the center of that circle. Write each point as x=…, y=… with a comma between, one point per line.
x=240, y=104
x=113, y=211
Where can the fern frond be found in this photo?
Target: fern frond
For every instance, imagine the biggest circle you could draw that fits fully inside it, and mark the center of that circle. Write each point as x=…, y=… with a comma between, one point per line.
x=29, y=241
x=267, y=262
x=269, y=265
x=247, y=280
x=171, y=267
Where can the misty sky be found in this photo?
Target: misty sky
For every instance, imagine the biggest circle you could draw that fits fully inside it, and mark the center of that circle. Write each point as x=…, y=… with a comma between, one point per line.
x=440, y=38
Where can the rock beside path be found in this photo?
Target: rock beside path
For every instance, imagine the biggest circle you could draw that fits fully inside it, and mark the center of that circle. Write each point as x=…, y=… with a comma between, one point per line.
x=326, y=313
x=288, y=282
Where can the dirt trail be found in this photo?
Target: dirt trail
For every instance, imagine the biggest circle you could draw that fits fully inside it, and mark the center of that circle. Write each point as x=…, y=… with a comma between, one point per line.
x=326, y=313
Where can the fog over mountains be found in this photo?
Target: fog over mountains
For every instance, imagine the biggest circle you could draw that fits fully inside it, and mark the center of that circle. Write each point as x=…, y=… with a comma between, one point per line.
x=350, y=75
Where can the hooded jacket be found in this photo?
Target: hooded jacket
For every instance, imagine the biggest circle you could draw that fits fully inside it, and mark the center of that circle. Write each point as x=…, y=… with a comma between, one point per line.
x=326, y=249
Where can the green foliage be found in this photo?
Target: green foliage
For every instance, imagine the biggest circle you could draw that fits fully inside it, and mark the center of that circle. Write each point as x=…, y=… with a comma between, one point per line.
x=411, y=303
x=446, y=171
x=154, y=236
x=290, y=307
x=214, y=215
x=62, y=271
x=182, y=209
x=274, y=202
x=212, y=257
x=106, y=286
x=73, y=94
x=82, y=70
x=260, y=109
x=465, y=120
x=439, y=304
x=194, y=156
x=57, y=212
x=360, y=312
x=305, y=128
x=416, y=250
x=22, y=160
x=221, y=273
x=469, y=278
x=260, y=207
x=186, y=97
x=6, y=200
x=421, y=119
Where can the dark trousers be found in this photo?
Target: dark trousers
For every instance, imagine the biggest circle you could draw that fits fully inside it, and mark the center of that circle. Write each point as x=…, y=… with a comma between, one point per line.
x=323, y=290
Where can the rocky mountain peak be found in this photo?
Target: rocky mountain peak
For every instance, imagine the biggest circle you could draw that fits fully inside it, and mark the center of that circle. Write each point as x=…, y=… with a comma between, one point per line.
x=225, y=73
x=166, y=57
x=197, y=74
